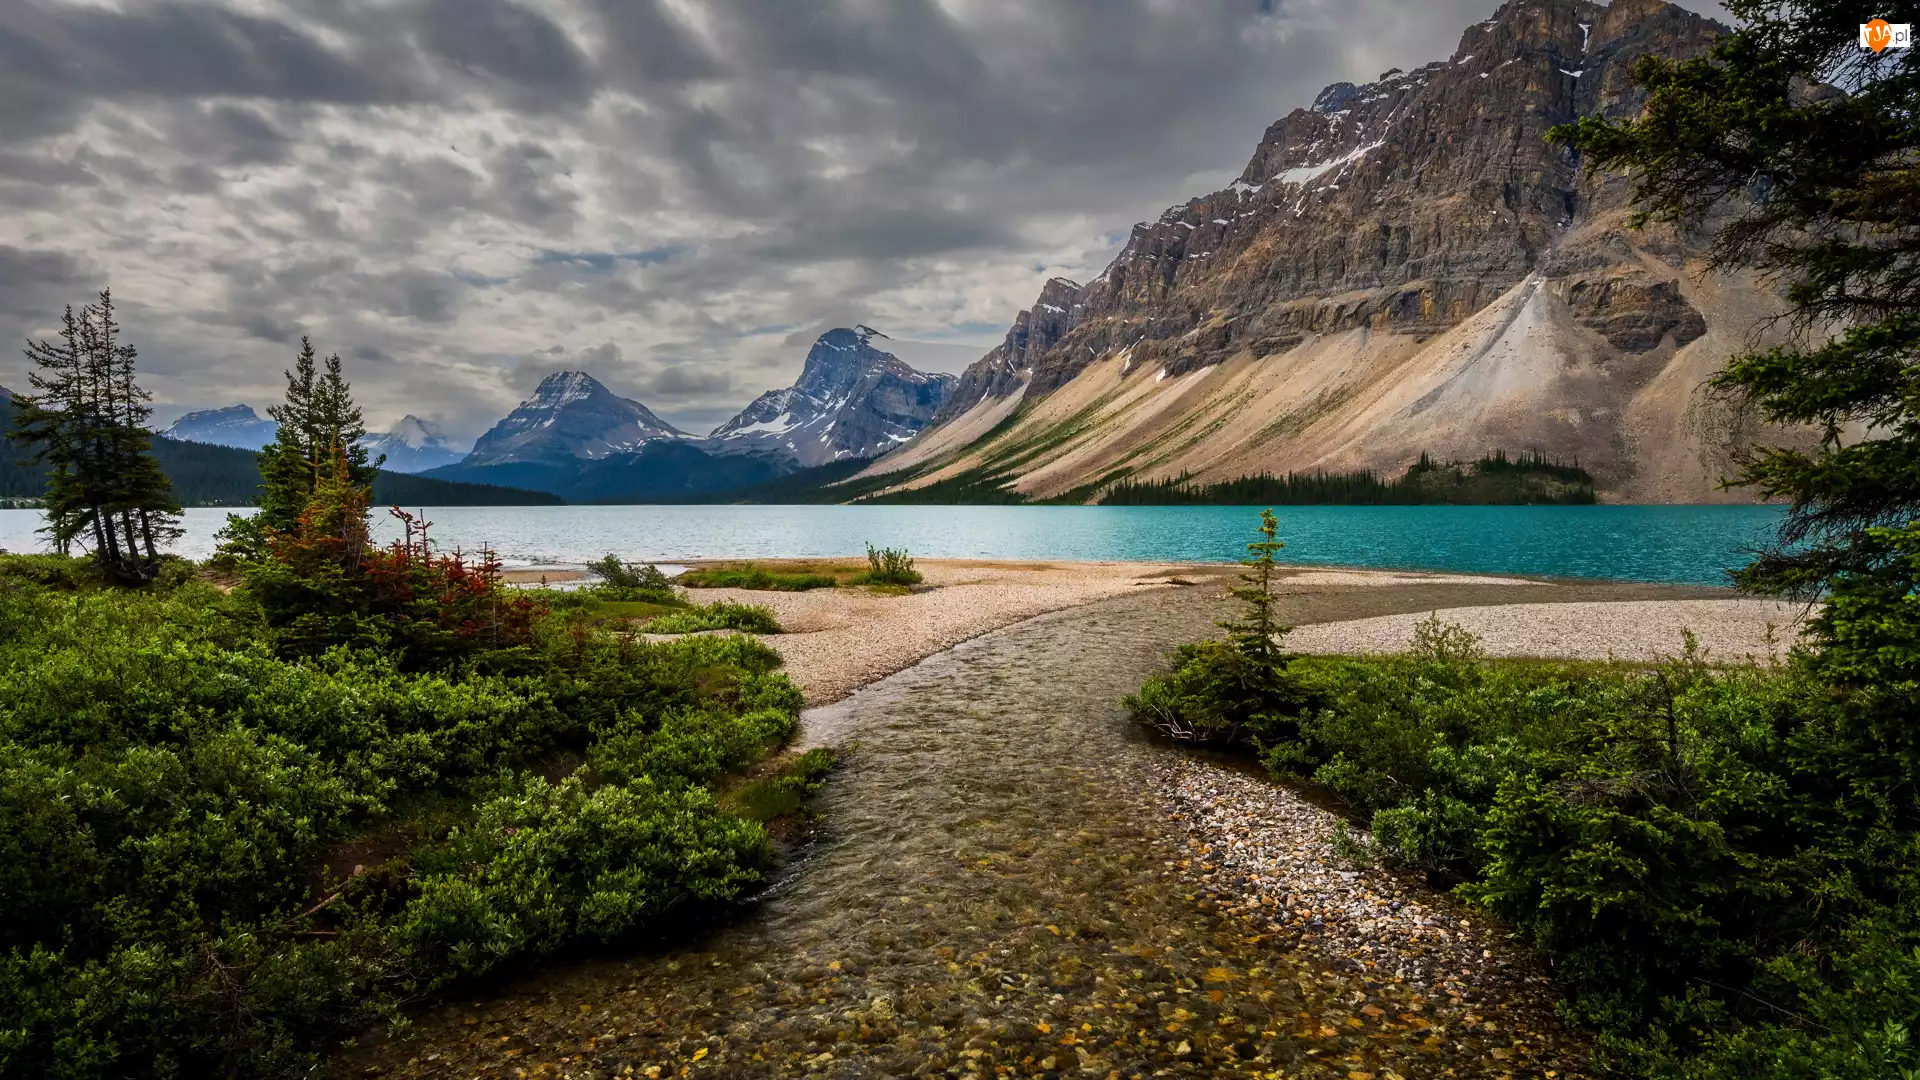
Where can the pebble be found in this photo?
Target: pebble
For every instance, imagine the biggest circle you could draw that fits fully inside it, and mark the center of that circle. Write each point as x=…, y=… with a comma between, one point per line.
x=1271, y=853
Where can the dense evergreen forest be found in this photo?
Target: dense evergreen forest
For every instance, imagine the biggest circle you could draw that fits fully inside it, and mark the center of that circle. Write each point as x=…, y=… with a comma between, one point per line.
x=1494, y=480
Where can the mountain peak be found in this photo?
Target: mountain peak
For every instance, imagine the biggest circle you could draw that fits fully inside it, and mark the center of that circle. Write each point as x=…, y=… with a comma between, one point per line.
x=851, y=400
x=1425, y=206
x=230, y=425
x=565, y=387
x=412, y=445
x=570, y=415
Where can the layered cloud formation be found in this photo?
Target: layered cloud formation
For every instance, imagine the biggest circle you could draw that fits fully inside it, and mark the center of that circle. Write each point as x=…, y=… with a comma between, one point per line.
x=676, y=195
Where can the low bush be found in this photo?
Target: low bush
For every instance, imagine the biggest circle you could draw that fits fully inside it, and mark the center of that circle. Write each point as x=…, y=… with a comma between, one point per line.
x=630, y=582
x=1721, y=863
x=226, y=839
x=888, y=566
x=721, y=615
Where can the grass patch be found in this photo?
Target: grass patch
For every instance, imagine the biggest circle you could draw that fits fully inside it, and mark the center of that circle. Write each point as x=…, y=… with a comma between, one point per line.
x=749, y=618
x=783, y=794
x=785, y=579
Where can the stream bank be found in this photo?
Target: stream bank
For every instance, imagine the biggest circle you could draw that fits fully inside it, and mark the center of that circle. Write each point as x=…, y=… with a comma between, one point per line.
x=1012, y=880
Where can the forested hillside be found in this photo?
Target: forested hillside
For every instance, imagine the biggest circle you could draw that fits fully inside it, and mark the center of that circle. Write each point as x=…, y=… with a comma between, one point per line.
x=208, y=475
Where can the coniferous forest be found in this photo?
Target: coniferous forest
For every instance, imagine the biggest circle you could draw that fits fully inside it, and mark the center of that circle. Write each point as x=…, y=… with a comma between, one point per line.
x=1494, y=480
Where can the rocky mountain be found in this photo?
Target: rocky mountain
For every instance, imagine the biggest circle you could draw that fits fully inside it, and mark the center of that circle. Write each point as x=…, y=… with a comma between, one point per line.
x=570, y=416
x=236, y=426
x=412, y=446
x=1403, y=266
x=852, y=401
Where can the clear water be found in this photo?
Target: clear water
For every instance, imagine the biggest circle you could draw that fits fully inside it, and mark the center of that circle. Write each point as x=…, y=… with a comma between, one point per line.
x=999, y=889
x=1680, y=544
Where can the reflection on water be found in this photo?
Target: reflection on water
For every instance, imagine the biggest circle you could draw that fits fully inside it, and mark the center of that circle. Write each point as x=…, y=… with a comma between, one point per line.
x=997, y=892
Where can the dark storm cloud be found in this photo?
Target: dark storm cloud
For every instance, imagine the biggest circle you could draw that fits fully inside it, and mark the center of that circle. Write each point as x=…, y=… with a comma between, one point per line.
x=462, y=195
x=650, y=46
x=683, y=381
x=510, y=45
x=29, y=280
x=182, y=50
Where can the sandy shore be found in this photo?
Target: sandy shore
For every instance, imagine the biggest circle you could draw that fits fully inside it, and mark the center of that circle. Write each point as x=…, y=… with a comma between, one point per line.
x=1730, y=630
x=838, y=640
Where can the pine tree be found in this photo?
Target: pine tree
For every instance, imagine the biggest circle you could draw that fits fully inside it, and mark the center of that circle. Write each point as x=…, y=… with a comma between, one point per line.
x=87, y=423
x=317, y=417
x=44, y=423
x=1257, y=634
x=1818, y=187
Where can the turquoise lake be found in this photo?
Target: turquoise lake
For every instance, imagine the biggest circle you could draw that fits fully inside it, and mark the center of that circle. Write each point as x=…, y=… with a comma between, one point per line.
x=1681, y=544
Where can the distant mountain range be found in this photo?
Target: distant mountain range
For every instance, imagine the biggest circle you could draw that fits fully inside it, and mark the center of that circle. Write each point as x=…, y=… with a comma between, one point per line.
x=576, y=438
x=413, y=446
x=206, y=474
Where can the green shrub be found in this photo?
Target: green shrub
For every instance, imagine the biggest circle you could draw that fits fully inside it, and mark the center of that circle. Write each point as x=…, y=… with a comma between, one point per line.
x=624, y=581
x=721, y=615
x=1722, y=864
x=1702, y=853
x=176, y=790
x=888, y=566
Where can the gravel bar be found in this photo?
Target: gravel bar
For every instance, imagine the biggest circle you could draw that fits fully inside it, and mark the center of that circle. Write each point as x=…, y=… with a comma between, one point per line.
x=1731, y=630
x=1269, y=854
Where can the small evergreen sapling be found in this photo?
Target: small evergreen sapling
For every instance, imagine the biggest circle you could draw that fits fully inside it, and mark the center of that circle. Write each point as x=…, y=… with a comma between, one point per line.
x=1238, y=691
x=1257, y=634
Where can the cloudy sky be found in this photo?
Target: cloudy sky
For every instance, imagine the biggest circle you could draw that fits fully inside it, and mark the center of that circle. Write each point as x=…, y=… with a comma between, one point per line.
x=459, y=196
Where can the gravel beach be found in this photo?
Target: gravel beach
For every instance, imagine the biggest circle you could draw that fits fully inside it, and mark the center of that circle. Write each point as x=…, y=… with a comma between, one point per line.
x=1731, y=630
x=838, y=640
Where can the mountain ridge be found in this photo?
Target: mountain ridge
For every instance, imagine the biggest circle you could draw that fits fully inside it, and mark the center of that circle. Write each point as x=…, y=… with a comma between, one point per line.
x=1403, y=266
x=571, y=415
x=412, y=445
x=237, y=426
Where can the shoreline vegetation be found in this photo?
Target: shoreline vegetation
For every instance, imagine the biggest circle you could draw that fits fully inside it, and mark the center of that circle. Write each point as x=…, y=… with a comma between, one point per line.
x=241, y=824
x=1719, y=862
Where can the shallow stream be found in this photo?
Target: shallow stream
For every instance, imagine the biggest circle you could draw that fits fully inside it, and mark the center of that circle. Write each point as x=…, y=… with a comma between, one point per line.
x=997, y=889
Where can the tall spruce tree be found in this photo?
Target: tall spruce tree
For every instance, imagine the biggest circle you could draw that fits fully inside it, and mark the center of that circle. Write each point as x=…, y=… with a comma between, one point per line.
x=1801, y=147
x=87, y=423
x=1823, y=185
x=317, y=416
